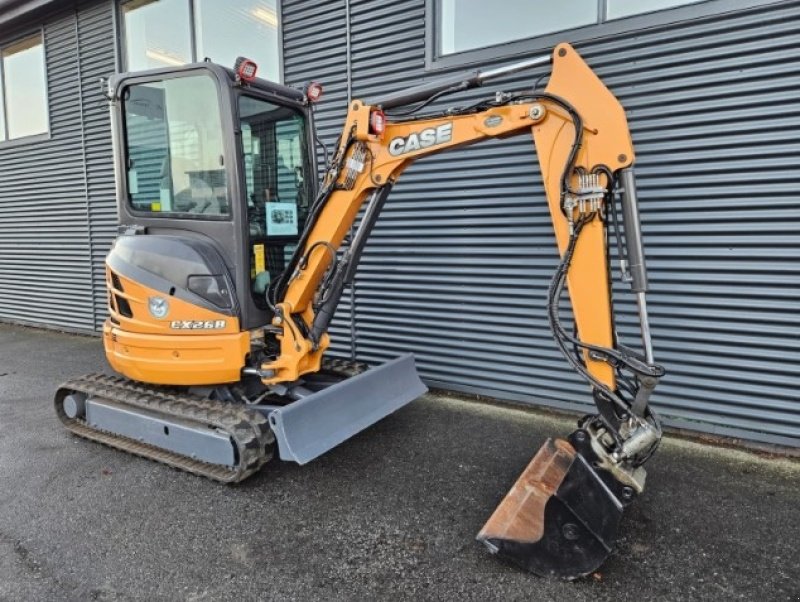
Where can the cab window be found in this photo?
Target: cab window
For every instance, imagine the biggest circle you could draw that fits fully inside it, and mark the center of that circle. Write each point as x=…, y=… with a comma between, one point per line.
x=175, y=150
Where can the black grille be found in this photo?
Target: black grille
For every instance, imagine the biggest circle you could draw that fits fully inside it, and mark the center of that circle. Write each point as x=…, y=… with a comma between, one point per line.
x=123, y=306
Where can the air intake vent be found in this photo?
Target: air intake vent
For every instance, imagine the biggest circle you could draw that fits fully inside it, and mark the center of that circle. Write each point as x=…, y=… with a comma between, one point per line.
x=123, y=306
x=116, y=283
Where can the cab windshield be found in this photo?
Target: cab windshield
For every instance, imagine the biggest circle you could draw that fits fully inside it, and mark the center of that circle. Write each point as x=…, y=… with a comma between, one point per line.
x=175, y=148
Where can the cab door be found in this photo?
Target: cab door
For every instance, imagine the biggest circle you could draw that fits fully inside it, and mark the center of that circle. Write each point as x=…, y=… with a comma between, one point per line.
x=278, y=180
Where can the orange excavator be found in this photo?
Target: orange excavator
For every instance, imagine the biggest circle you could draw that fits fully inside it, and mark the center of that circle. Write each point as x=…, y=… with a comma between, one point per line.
x=231, y=261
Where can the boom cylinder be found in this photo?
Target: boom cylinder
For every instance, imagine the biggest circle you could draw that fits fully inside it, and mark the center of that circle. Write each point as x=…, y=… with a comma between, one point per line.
x=460, y=81
x=347, y=265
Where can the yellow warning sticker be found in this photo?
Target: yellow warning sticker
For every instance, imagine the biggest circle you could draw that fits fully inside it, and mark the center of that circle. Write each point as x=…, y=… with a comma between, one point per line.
x=155, y=206
x=260, y=263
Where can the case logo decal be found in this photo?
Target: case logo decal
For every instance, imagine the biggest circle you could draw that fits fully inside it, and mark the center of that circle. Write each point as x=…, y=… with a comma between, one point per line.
x=419, y=140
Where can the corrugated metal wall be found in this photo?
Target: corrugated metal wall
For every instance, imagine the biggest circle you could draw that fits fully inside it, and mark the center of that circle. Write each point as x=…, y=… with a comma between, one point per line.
x=458, y=266
x=97, y=60
x=46, y=240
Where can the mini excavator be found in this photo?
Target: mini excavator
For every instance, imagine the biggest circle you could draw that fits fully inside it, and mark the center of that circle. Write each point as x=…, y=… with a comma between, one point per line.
x=231, y=260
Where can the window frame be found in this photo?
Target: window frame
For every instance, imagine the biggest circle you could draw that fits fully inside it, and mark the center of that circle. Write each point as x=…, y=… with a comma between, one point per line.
x=31, y=138
x=435, y=61
x=122, y=44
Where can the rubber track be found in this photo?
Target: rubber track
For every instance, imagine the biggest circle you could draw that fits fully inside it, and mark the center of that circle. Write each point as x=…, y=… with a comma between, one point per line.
x=249, y=429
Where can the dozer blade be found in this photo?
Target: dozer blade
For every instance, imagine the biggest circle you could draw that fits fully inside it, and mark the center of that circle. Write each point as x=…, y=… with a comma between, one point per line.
x=311, y=426
x=559, y=519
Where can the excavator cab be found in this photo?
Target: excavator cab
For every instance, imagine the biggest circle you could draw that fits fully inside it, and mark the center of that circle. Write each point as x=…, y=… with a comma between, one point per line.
x=227, y=164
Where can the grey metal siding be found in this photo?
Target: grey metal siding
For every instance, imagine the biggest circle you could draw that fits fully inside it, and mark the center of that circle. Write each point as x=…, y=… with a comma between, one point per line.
x=14, y=10
x=57, y=207
x=45, y=273
x=458, y=267
x=97, y=60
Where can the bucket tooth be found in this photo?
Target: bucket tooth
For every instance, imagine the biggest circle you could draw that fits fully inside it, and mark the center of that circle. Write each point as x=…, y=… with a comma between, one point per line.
x=559, y=519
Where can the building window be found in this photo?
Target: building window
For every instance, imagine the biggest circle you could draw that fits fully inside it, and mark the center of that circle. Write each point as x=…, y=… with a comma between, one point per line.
x=164, y=33
x=468, y=24
x=23, y=89
x=157, y=34
x=234, y=28
x=464, y=25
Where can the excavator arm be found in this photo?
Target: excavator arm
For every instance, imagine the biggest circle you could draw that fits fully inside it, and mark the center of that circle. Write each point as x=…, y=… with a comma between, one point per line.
x=561, y=516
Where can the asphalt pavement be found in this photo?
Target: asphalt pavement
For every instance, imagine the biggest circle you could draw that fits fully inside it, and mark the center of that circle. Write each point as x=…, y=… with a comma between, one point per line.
x=389, y=515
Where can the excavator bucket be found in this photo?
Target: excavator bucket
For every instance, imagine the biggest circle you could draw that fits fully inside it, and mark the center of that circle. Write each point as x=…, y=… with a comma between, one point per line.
x=559, y=519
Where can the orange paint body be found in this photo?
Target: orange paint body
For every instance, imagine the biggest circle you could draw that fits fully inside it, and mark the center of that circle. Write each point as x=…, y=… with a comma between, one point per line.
x=149, y=350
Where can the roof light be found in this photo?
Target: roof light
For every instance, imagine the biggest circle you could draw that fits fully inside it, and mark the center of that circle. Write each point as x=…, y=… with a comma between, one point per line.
x=245, y=69
x=313, y=91
x=377, y=122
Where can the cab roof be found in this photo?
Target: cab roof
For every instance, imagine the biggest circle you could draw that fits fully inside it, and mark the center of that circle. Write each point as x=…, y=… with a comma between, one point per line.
x=223, y=74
